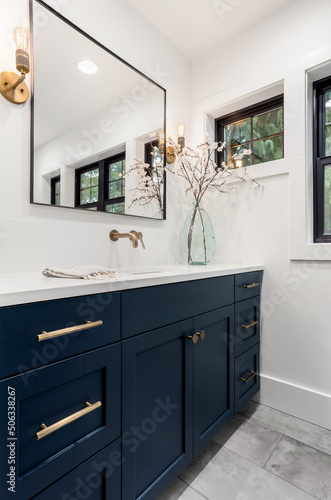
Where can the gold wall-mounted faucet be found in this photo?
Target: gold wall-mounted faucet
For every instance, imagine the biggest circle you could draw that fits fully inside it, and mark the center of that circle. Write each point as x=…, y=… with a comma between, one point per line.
x=133, y=235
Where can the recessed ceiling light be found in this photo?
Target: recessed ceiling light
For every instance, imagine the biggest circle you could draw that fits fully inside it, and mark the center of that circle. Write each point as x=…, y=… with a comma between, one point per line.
x=88, y=67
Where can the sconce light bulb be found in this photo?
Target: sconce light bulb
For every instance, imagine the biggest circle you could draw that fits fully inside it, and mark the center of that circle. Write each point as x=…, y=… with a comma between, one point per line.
x=239, y=163
x=181, y=130
x=181, y=135
x=22, y=38
x=161, y=137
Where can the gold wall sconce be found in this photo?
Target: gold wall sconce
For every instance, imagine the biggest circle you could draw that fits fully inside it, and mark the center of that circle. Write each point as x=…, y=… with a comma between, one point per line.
x=170, y=152
x=12, y=86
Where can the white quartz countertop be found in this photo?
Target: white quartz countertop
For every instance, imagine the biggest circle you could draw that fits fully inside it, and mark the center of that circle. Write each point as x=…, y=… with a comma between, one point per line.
x=34, y=287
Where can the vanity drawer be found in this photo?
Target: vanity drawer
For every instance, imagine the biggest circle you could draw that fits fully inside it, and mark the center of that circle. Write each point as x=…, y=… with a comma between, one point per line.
x=20, y=349
x=97, y=479
x=247, y=285
x=150, y=308
x=247, y=324
x=247, y=376
x=49, y=395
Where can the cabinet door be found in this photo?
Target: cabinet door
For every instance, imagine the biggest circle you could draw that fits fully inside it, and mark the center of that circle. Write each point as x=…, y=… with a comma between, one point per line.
x=99, y=478
x=213, y=375
x=157, y=409
x=55, y=396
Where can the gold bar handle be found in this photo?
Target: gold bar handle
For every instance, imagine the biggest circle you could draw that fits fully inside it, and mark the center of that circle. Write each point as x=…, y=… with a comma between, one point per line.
x=65, y=331
x=45, y=431
x=250, y=377
x=251, y=285
x=252, y=323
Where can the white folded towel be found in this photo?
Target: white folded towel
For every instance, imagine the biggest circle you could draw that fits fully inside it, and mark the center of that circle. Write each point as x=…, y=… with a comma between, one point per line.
x=88, y=272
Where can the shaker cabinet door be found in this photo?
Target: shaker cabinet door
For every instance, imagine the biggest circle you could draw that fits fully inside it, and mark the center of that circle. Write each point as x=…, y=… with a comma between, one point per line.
x=213, y=375
x=157, y=409
x=99, y=478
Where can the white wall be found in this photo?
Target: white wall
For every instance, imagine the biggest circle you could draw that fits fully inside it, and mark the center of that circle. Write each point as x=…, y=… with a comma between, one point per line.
x=33, y=237
x=253, y=226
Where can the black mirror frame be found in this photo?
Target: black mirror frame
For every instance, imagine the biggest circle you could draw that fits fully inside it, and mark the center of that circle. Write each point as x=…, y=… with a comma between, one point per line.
x=93, y=40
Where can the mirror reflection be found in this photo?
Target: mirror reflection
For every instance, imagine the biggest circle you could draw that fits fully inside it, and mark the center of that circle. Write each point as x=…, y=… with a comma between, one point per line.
x=93, y=115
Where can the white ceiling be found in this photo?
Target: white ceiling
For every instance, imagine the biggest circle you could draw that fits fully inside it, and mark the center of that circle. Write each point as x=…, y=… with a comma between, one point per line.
x=197, y=26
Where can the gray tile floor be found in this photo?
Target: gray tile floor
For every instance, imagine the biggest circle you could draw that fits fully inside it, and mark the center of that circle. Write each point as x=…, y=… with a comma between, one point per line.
x=263, y=454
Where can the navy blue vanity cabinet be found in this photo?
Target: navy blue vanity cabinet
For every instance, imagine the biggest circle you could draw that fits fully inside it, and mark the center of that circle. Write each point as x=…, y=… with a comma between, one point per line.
x=213, y=375
x=157, y=409
x=46, y=440
x=99, y=478
x=117, y=408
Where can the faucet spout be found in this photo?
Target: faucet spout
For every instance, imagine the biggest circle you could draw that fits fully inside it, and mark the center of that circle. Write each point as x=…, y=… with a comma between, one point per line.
x=133, y=235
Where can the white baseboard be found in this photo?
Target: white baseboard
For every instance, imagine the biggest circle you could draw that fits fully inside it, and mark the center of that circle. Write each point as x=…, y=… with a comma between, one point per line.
x=303, y=403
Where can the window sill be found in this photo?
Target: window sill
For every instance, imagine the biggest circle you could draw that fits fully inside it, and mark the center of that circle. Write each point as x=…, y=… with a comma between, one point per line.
x=268, y=169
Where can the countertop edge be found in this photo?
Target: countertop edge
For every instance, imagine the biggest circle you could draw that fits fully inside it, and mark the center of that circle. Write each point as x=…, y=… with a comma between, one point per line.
x=15, y=290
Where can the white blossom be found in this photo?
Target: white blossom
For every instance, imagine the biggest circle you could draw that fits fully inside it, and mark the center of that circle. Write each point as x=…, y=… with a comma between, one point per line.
x=198, y=168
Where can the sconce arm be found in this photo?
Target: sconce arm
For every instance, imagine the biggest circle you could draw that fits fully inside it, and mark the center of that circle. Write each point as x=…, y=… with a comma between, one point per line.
x=16, y=84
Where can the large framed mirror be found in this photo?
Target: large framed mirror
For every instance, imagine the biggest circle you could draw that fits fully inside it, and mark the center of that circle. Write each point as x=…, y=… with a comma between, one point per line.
x=93, y=115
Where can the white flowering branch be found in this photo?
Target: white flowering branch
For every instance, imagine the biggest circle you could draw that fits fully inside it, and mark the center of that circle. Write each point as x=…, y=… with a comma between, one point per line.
x=201, y=172
x=150, y=185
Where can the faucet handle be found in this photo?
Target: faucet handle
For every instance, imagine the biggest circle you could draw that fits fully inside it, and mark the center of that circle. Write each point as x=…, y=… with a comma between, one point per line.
x=140, y=237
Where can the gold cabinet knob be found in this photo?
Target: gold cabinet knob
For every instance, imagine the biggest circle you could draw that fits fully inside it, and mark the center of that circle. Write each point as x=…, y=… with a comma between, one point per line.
x=194, y=338
x=202, y=335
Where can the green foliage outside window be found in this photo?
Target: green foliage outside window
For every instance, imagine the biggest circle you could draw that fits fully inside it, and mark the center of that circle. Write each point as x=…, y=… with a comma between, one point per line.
x=261, y=133
x=89, y=182
x=327, y=199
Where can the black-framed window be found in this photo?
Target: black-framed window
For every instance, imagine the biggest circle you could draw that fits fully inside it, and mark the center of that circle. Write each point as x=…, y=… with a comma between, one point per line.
x=56, y=190
x=87, y=187
x=259, y=128
x=322, y=160
x=101, y=186
x=115, y=184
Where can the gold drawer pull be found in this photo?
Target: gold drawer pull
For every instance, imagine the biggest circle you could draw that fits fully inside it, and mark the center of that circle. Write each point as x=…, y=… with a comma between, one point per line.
x=66, y=331
x=65, y=421
x=251, y=285
x=250, y=377
x=252, y=323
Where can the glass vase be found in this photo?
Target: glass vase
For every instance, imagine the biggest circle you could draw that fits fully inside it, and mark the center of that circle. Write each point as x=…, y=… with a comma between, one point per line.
x=197, y=242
